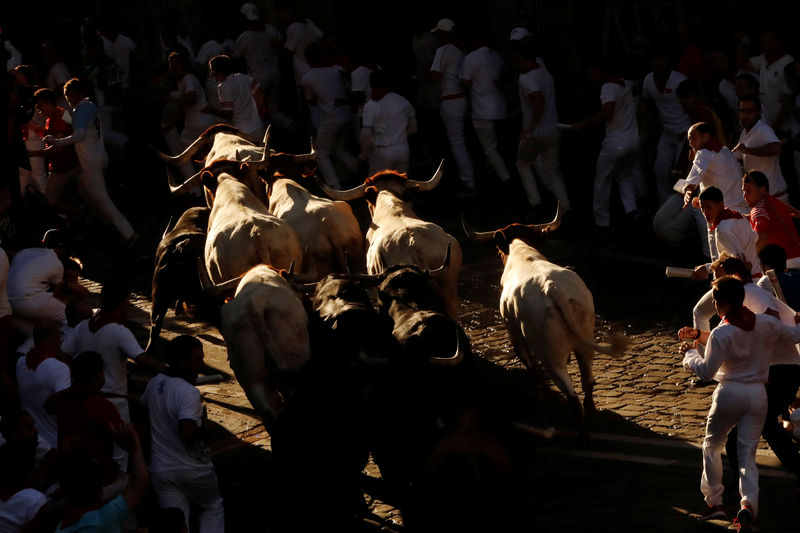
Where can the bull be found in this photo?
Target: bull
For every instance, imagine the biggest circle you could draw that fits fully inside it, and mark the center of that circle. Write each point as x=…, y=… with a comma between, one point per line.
x=548, y=310
x=174, y=279
x=397, y=236
x=265, y=328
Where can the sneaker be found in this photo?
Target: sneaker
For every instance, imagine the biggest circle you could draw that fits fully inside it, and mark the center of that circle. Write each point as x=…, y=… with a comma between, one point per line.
x=712, y=512
x=744, y=519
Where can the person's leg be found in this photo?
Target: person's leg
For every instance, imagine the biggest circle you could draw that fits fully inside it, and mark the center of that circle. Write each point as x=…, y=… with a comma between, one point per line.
x=40, y=306
x=324, y=146
x=665, y=158
x=547, y=168
x=721, y=418
x=169, y=494
x=202, y=490
x=625, y=181
x=754, y=398
x=703, y=311
x=92, y=186
x=453, y=113
x=487, y=137
x=601, y=201
x=527, y=152
x=784, y=380
x=673, y=224
x=343, y=130
x=702, y=229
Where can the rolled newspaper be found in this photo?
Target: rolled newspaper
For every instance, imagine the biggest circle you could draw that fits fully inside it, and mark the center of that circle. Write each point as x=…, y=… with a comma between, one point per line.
x=675, y=272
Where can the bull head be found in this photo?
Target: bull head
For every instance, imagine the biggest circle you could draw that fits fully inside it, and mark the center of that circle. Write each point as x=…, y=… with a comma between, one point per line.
x=361, y=190
x=502, y=237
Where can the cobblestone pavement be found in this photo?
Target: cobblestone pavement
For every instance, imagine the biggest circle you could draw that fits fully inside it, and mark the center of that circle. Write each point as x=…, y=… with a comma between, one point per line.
x=642, y=472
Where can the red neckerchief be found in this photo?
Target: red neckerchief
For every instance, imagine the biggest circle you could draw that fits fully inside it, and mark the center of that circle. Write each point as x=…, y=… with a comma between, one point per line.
x=742, y=318
x=725, y=214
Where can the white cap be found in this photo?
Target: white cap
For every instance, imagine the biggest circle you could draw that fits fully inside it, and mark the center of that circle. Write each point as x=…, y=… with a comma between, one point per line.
x=517, y=34
x=249, y=10
x=444, y=25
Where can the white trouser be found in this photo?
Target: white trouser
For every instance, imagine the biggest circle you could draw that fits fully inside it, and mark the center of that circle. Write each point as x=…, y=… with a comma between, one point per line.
x=668, y=151
x=389, y=157
x=453, y=112
x=119, y=455
x=182, y=487
x=541, y=155
x=92, y=187
x=176, y=145
x=614, y=163
x=485, y=131
x=37, y=175
x=110, y=137
x=674, y=224
x=39, y=306
x=331, y=138
x=743, y=405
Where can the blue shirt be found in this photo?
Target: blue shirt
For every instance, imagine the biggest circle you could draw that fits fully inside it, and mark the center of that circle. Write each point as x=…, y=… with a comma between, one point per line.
x=108, y=519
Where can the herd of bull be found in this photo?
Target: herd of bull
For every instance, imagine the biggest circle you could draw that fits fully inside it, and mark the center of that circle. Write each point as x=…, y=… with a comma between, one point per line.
x=316, y=359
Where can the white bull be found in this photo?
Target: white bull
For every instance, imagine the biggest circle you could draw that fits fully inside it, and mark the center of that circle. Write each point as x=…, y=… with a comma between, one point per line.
x=397, y=236
x=265, y=328
x=549, y=311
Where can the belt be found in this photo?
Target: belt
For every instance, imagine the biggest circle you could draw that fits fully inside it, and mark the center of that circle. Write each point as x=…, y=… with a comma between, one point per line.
x=452, y=97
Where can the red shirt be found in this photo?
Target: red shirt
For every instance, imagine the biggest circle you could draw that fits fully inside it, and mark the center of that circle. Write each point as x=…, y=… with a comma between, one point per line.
x=773, y=216
x=58, y=127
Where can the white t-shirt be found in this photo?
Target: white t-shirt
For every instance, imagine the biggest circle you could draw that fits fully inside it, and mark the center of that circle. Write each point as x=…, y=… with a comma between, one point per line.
x=236, y=94
x=727, y=89
x=447, y=60
x=115, y=343
x=359, y=81
x=298, y=36
x=772, y=82
x=35, y=387
x=58, y=75
x=324, y=84
x=673, y=117
x=5, y=306
x=538, y=79
x=388, y=118
x=170, y=400
x=261, y=57
x=120, y=51
x=20, y=509
x=214, y=48
x=735, y=236
x=32, y=272
x=760, y=135
x=14, y=57
x=192, y=116
x=723, y=171
x=482, y=67
x=622, y=129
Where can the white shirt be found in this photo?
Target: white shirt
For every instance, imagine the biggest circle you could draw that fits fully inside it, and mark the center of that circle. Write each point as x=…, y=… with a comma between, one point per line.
x=727, y=89
x=538, y=79
x=15, y=58
x=20, y=509
x=447, y=60
x=722, y=170
x=35, y=387
x=32, y=272
x=170, y=400
x=735, y=236
x=772, y=82
x=5, y=306
x=214, y=48
x=236, y=94
x=324, y=84
x=192, y=117
x=388, y=118
x=120, y=51
x=298, y=36
x=673, y=117
x=622, y=129
x=482, y=67
x=261, y=57
x=735, y=355
x=760, y=135
x=359, y=81
x=115, y=343
x=57, y=76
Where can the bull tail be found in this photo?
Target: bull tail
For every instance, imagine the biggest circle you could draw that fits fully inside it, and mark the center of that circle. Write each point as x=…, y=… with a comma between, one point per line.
x=616, y=344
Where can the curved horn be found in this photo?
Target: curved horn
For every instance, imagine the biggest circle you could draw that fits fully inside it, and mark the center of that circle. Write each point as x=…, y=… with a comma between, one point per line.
x=477, y=236
x=550, y=226
x=264, y=162
x=368, y=278
x=182, y=188
x=303, y=158
x=431, y=183
x=336, y=194
x=166, y=230
x=211, y=287
x=303, y=287
x=446, y=263
x=184, y=156
x=453, y=360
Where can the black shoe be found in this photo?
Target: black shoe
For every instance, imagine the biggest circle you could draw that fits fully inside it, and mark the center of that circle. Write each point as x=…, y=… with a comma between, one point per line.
x=744, y=519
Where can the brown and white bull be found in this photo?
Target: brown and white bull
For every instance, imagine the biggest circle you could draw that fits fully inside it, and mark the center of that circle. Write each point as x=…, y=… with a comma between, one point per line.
x=265, y=328
x=548, y=310
x=397, y=236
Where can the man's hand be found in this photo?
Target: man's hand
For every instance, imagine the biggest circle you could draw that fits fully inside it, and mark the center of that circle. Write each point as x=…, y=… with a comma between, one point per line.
x=700, y=273
x=686, y=346
x=688, y=333
x=741, y=148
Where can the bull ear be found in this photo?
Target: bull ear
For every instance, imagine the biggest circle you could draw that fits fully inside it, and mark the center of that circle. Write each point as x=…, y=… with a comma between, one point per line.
x=371, y=194
x=243, y=167
x=501, y=241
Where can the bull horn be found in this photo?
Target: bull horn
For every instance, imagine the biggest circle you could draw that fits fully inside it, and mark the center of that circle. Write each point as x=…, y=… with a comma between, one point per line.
x=368, y=278
x=446, y=263
x=336, y=194
x=184, y=156
x=182, y=188
x=477, y=236
x=166, y=230
x=303, y=287
x=431, y=183
x=454, y=360
x=304, y=158
x=264, y=162
x=550, y=226
x=211, y=287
